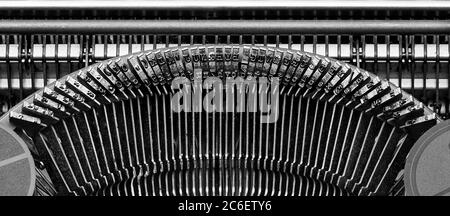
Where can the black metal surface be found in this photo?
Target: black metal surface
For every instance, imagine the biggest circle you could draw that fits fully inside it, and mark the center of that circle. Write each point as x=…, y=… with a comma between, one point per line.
x=226, y=5
x=225, y=10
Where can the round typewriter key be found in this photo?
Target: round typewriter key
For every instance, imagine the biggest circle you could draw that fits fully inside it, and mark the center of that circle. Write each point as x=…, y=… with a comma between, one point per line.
x=17, y=174
x=427, y=169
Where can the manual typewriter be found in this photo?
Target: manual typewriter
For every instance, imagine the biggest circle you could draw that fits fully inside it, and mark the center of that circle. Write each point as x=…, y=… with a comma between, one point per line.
x=86, y=92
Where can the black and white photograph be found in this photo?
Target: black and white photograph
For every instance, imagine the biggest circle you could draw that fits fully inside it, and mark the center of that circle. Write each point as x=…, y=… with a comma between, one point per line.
x=222, y=100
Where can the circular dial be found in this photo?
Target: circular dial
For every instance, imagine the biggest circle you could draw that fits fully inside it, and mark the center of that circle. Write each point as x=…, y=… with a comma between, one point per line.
x=427, y=171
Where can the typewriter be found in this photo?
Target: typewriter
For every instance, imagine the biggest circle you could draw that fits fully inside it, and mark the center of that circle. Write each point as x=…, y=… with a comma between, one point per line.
x=228, y=98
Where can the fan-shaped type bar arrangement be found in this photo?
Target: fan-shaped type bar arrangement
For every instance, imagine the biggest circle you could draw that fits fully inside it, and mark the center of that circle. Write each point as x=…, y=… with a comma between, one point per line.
x=110, y=128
